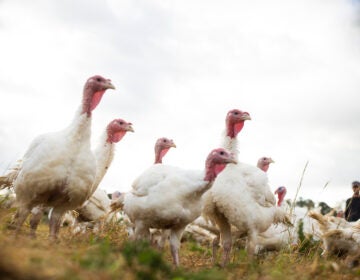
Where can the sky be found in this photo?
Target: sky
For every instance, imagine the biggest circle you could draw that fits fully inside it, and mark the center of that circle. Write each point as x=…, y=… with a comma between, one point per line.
x=179, y=67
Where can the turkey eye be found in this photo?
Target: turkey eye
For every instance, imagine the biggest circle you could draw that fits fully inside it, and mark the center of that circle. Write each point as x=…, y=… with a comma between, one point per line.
x=222, y=153
x=98, y=79
x=164, y=141
x=236, y=113
x=121, y=123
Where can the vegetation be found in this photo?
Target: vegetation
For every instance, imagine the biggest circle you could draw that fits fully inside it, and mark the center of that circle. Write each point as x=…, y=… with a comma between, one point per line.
x=110, y=255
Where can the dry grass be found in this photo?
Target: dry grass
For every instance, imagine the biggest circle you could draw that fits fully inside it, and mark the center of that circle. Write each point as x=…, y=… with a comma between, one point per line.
x=109, y=255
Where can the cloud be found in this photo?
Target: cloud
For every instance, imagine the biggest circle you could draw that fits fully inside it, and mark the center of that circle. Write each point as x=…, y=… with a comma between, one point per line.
x=178, y=67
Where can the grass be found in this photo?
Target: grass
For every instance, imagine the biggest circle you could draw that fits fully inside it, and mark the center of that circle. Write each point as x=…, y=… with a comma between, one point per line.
x=110, y=255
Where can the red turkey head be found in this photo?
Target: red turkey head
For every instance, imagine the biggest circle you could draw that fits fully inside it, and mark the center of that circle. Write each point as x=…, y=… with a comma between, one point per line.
x=162, y=146
x=281, y=192
x=235, y=120
x=116, y=130
x=94, y=89
x=216, y=162
x=264, y=163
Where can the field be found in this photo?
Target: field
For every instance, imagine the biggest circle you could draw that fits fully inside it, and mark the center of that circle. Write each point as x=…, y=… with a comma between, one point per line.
x=110, y=255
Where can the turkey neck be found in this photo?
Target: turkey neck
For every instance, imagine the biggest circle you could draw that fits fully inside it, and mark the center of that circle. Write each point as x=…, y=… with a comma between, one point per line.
x=159, y=154
x=230, y=141
x=231, y=144
x=211, y=171
x=79, y=131
x=104, y=154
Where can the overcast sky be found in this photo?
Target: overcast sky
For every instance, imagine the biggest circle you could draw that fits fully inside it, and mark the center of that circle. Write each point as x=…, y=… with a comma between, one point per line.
x=178, y=67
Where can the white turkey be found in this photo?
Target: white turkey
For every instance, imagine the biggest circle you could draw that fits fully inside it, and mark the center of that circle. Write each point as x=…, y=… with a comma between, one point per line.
x=58, y=169
x=104, y=154
x=277, y=236
x=105, y=150
x=162, y=146
x=142, y=183
x=255, y=177
x=241, y=196
x=211, y=230
x=156, y=172
x=174, y=201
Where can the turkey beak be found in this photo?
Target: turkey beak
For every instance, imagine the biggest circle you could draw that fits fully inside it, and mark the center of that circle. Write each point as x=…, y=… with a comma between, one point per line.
x=172, y=145
x=109, y=85
x=130, y=128
x=232, y=159
x=271, y=160
x=246, y=117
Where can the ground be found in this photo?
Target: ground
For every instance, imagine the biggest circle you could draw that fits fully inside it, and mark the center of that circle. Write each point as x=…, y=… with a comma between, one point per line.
x=110, y=255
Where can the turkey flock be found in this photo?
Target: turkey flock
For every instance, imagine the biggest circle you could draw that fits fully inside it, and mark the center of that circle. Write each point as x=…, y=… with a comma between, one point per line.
x=223, y=202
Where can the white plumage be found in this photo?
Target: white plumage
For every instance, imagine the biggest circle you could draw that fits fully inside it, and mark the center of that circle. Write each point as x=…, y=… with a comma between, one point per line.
x=58, y=169
x=174, y=201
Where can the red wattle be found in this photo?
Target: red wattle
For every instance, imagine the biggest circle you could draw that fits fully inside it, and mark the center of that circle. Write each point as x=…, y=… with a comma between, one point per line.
x=96, y=99
x=237, y=128
x=163, y=152
x=218, y=168
x=116, y=137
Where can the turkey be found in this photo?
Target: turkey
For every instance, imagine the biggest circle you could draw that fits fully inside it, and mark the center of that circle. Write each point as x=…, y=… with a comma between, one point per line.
x=210, y=231
x=277, y=236
x=255, y=178
x=156, y=172
x=99, y=204
x=241, y=196
x=162, y=146
x=174, y=201
x=105, y=150
x=58, y=169
x=104, y=154
x=139, y=187
x=141, y=184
